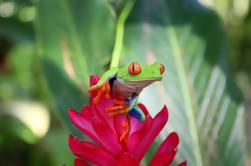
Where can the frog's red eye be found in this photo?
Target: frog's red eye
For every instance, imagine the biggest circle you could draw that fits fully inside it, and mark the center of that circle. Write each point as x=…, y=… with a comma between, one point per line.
x=134, y=68
x=161, y=68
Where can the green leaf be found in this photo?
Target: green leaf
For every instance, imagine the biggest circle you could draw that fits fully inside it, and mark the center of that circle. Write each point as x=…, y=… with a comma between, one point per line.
x=31, y=122
x=74, y=40
x=57, y=144
x=205, y=106
x=19, y=82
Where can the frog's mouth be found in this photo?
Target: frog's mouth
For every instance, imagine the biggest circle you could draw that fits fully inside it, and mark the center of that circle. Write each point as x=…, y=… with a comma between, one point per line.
x=139, y=85
x=145, y=80
x=128, y=88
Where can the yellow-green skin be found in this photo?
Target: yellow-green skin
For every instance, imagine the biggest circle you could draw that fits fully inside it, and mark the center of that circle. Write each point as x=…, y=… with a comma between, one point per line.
x=129, y=86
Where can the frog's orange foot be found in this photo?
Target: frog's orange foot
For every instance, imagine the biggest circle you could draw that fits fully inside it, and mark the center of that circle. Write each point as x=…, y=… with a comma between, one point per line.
x=126, y=126
x=105, y=89
x=119, y=102
x=119, y=107
x=118, y=112
x=107, y=96
x=113, y=108
x=96, y=100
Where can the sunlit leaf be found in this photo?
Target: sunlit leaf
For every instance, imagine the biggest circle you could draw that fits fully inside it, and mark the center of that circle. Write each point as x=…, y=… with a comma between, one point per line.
x=204, y=104
x=74, y=40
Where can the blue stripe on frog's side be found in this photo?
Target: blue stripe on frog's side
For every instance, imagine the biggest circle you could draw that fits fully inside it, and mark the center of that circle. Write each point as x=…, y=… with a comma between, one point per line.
x=137, y=113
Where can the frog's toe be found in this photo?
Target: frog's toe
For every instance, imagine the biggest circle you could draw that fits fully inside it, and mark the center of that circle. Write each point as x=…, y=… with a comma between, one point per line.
x=95, y=100
x=117, y=112
x=113, y=109
x=107, y=96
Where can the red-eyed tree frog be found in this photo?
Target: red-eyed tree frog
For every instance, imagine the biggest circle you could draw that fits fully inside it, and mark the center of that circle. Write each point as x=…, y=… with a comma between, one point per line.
x=125, y=85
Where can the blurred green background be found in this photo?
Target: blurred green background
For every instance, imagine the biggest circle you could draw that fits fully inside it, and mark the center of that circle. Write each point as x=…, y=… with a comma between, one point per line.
x=48, y=49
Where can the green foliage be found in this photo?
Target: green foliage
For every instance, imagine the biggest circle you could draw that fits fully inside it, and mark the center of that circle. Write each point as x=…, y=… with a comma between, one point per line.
x=236, y=17
x=52, y=58
x=17, y=128
x=205, y=107
x=57, y=141
x=73, y=42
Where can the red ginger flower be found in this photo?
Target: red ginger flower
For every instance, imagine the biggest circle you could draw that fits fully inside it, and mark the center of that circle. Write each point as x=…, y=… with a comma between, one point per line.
x=108, y=148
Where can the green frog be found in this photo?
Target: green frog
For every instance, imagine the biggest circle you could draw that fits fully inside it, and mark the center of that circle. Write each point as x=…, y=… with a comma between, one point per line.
x=124, y=85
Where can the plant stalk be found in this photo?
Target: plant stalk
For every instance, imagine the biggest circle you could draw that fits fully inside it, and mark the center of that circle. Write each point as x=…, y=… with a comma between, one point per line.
x=120, y=33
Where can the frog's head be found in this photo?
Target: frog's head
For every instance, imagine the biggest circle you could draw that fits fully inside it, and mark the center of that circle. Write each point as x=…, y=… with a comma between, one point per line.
x=133, y=79
x=136, y=72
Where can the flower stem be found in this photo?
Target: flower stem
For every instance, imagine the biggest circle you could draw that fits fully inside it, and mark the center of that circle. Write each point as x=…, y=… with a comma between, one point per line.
x=120, y=33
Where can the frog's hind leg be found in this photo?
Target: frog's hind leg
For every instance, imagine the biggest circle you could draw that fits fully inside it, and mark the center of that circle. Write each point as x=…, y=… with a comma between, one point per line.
x=137, y=113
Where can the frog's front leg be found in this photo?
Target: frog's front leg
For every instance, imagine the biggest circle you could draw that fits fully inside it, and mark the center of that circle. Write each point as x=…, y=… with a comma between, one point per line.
x=103, y=85
x=105, y=90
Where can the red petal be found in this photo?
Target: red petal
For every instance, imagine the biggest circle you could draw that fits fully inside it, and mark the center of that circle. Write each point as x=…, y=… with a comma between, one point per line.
x=127, y=160
x=78, y=162
x=137, y=125
x=137, y=136
x=119, y=120
x=99, y=110
x=169, y=144
x=158, y=123
x=166, y=151
x=89, y=152
x=108, y=139
x=94, y=79
x=164, y=159
x=86, y=112
x=183, y=164
x=82, y=121
x=143, y=108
